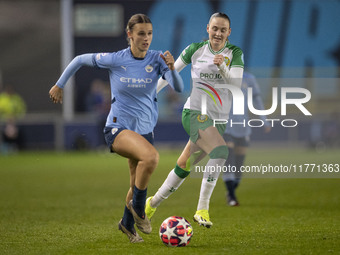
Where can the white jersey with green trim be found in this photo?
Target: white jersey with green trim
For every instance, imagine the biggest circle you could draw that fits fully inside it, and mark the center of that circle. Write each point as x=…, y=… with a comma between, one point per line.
x=206, y=75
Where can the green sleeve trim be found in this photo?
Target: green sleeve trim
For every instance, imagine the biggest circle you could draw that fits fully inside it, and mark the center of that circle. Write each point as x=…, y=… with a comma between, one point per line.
x=185, y=62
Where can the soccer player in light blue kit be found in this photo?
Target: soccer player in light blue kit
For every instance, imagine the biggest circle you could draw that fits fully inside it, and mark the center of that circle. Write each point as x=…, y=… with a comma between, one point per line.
x=237, y=136
x=134, y=73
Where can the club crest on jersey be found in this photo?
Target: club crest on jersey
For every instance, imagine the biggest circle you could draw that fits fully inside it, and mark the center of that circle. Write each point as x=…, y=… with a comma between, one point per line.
x=227, y=61
x=149, y=68
x=202, y=118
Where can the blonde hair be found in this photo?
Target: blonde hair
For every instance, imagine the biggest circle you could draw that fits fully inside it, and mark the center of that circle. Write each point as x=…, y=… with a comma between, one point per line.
x=220, y=15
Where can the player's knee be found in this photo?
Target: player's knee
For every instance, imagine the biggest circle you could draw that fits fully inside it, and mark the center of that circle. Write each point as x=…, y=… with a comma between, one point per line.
x=151, y=160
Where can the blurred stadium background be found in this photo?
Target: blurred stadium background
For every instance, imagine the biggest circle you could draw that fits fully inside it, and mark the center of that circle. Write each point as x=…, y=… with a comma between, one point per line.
x=69, y=203
x=281, y=40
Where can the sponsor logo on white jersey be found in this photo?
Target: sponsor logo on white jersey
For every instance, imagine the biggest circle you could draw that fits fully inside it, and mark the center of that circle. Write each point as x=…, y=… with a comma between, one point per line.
x=211, y=76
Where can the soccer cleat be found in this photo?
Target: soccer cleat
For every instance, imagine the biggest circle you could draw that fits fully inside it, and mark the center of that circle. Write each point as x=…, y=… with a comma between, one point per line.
x=149, y=211
x=232, y=201
x=133, y=236
x=202, y=218
x=143, y=224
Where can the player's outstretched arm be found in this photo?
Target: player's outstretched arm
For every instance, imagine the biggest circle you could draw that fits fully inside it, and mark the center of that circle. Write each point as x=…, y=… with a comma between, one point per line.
x=179, y=65
x=73, y=67
x=56, y=92
x=172, y=76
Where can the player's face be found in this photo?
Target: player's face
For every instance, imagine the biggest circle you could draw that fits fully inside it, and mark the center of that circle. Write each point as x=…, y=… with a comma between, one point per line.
x=140, y=37
x=218, y=30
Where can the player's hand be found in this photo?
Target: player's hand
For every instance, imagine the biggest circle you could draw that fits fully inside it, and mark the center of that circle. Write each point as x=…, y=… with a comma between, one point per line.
x=56, y=94
x=169, y=60
x=218, y=59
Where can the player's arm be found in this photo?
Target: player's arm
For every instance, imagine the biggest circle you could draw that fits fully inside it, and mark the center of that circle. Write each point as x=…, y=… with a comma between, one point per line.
x=172, y=76
x=178, y=66
x=56, y=92
x=233, y=75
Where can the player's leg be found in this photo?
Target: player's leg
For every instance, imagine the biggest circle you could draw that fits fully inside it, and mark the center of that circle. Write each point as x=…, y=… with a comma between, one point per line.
x=179, y=173
x=135, y=147
x=229, y=176
x=173, y=181
x=127, y=219
x=240, y=155
x=240, y=150
x=211, y=141
x=126, y=224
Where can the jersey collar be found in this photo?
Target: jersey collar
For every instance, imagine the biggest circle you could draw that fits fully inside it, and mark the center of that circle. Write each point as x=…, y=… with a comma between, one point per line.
x=136, y=57
x=217, y=52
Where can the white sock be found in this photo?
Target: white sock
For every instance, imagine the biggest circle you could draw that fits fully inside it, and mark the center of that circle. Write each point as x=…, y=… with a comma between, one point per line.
x=170, y=185
x=209, y=181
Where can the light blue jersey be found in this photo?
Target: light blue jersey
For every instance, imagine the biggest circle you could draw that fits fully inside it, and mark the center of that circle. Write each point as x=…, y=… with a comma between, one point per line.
x=133, y=86
x=238, y=130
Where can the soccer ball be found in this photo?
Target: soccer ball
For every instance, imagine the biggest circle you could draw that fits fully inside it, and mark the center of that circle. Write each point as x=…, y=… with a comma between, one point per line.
x=175, y=231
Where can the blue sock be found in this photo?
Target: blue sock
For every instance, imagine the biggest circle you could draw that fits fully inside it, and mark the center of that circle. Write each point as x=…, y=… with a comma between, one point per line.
x=138, y=201
x=230, y=185
x=239, y=161
x=127, y=219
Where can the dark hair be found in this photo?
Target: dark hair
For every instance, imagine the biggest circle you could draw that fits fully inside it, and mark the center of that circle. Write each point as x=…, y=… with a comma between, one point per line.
x=136, y=19
x=220, y=15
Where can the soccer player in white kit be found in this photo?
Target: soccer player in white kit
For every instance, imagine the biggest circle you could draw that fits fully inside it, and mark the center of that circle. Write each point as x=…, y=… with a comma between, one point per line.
x=213, y=62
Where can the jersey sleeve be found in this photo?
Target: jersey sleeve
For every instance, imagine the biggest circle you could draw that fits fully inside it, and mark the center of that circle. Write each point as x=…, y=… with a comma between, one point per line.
x=238, y=59
x=73, y=67
x=163, y=66
x=179, y=65
x=188, y=52
x=104, y=60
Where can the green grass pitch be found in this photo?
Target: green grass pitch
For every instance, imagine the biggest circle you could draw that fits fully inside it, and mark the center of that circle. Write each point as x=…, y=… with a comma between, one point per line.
x=70, y=203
